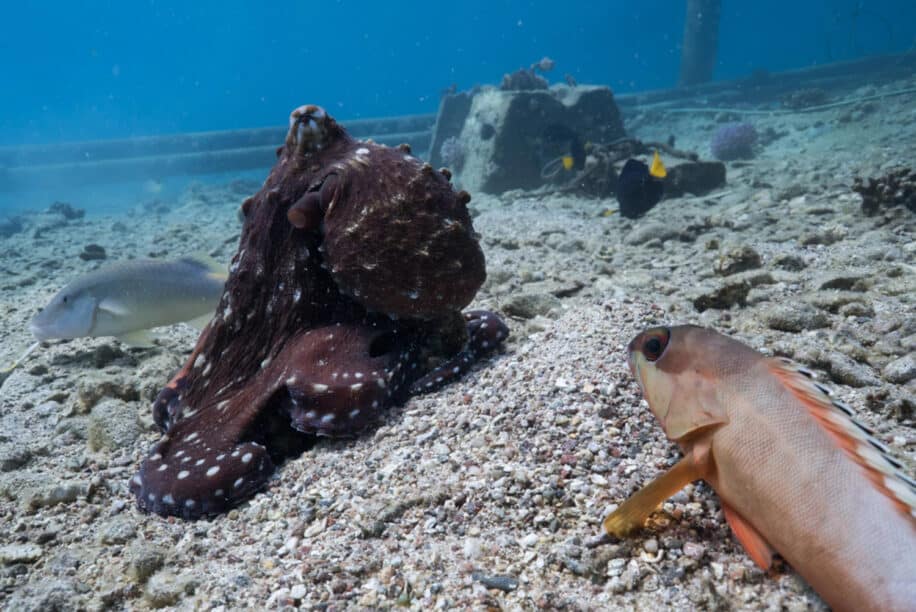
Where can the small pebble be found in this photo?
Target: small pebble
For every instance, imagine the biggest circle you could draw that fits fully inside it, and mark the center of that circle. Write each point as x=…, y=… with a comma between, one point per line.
x=315, y=528
x=471, y=548
x=298, y=592
x=19, y=553
x=694, y=550
x=900, y=371
x=501, y=582
x=529, y=540
x=143, y=561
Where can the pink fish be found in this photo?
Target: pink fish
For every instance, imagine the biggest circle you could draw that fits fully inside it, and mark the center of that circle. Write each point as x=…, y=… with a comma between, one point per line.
x=795, y=473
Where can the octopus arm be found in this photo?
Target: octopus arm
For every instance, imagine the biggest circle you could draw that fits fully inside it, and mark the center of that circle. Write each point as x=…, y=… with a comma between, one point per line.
x=486, y=331
x=185, y=476
x=340, y=377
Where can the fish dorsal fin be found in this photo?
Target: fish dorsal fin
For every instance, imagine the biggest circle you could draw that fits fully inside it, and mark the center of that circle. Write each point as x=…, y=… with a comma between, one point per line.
x=657, y=169
x=853, y=437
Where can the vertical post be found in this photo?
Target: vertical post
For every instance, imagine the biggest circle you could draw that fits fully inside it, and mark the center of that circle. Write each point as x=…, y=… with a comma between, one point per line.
x=701, y=41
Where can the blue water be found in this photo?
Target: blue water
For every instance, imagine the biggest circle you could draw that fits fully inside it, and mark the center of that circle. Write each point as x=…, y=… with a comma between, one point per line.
x=89, y=70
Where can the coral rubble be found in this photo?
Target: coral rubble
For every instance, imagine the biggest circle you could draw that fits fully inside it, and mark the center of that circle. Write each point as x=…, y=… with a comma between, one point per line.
x=897, y=187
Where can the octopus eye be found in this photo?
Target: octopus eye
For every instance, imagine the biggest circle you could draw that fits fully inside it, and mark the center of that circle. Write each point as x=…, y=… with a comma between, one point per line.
x=656, y=343
x=245, y=209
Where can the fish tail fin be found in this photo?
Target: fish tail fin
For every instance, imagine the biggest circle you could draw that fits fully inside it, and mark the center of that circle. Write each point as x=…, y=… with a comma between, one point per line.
x=854, y=438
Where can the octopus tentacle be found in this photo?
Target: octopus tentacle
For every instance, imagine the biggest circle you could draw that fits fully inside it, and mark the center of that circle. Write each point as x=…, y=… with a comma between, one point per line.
x=344, y=376
x=333, y=380
x=193, y=482
x=486, y=331
x=167, y=405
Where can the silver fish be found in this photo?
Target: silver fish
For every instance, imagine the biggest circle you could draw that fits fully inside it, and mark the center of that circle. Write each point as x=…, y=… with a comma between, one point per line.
x=126, y=299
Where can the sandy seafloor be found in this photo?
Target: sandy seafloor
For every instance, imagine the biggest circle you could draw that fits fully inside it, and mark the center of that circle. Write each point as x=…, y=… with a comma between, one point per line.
x=484, y=494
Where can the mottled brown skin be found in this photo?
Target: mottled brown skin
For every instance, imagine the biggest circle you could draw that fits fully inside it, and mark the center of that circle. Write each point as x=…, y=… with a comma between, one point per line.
x=354, y=263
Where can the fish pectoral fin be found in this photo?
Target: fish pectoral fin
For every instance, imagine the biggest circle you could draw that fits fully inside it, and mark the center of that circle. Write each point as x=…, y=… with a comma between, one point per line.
x=199, y=323
x=141, y=338
x=754, y=544
x=113, y=307
x=633, y=512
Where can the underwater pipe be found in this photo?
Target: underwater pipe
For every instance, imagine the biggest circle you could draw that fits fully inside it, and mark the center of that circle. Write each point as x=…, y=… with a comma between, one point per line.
x=761, y=88
x=121, y=169
x=701, y=41
x=202, y=142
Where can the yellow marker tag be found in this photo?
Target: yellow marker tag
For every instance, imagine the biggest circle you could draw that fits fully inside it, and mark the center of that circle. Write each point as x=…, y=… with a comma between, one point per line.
x=567, y=162
x=658, y=168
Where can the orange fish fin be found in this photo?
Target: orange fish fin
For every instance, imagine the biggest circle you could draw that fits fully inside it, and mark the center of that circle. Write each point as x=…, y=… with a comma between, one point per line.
x=856, y=439
x=756, y=547
x=633, y=512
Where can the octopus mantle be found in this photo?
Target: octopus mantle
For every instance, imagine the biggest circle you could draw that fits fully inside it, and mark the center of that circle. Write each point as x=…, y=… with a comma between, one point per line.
x=345, y=296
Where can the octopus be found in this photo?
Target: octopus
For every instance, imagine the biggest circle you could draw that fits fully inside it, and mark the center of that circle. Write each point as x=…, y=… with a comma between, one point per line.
x=345, y=297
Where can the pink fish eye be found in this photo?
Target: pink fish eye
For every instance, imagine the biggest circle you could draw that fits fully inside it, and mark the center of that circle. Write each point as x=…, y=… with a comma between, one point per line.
x=655, y=343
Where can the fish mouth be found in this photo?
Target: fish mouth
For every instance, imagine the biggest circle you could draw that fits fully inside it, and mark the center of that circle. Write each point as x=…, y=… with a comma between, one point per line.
x=632, y=350
x=634, y=355
x=38, y=332
x=633, y=359
x=634, y=367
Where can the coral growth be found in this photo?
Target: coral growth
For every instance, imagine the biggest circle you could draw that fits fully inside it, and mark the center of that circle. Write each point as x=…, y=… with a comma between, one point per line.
x=522, y=80
x=897, y=187
x=68, y=211
x=734, y=141
x=543, y=65
x=452, y=153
